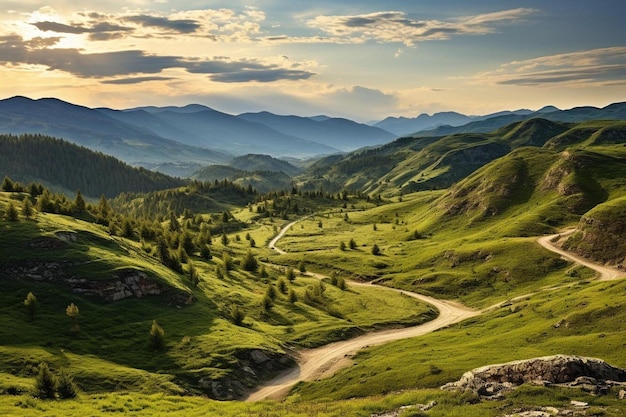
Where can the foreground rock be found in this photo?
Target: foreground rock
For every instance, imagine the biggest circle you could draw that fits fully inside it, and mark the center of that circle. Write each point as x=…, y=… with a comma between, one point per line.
x=591, y=375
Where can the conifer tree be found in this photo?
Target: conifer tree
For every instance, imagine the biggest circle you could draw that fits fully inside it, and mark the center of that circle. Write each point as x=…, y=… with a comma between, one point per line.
x=30, y=302
x=250, y=263
x=45, y=383
x=27, y=208
x=157, y=336
x=11, y=213
x=66, y=386
x=73, y=312
x=79, y=202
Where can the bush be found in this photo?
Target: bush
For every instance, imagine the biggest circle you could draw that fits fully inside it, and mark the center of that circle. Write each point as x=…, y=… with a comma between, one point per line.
x=236, y=315
x=45, y=383
x=375, y=250
x=66, y=386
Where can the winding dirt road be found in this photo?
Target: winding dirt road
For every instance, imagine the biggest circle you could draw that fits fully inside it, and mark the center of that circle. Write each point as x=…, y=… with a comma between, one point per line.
x=326, y=360
x=605, y=273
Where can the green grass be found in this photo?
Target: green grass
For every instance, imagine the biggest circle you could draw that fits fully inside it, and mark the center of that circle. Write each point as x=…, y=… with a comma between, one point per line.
x=591, y=318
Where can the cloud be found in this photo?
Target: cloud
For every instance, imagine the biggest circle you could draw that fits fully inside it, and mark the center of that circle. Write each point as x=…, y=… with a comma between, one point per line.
x=603, y=66
x=177, y=26
x=397, y=27
x=136, y=80
x=98, y=31
x=14, y=50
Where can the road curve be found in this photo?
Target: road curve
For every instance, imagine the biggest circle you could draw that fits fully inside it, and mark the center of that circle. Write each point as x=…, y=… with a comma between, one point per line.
x=605, y=273
x=327, y=359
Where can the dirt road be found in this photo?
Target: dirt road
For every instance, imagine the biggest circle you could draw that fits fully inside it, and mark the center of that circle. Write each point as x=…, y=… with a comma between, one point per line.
x=326, y=360
x=605, y=273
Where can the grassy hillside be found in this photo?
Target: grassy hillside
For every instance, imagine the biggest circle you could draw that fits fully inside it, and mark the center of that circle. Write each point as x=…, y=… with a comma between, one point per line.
x=65, y=260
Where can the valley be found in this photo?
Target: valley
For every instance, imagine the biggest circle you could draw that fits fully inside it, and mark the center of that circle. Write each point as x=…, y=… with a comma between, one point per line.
x=359, y=285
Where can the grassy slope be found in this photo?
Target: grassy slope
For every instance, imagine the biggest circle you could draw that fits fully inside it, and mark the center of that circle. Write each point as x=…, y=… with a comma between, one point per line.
x=111, y=351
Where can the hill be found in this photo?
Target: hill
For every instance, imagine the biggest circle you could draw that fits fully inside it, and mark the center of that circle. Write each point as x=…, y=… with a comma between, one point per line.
x=261, y=172
x=63, y=165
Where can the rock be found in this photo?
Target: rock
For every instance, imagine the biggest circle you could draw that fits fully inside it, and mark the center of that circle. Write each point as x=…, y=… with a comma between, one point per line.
x=258, y=356
x=592, y=375
x=622, y=394
x=579, y=404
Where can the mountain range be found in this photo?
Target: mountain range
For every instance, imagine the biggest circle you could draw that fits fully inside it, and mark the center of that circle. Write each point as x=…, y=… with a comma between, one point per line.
x=182, y=140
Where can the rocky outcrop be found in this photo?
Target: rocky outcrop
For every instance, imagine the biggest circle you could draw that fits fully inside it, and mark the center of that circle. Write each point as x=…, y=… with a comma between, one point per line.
x=589, y=374
x=124, y=284
x=253, y=367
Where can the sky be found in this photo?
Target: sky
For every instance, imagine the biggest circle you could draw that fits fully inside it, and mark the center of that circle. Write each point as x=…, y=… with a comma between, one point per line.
x=363, y=60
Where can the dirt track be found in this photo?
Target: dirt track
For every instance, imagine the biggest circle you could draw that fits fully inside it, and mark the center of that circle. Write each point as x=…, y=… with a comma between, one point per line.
x=605, y=273
x=326, y=360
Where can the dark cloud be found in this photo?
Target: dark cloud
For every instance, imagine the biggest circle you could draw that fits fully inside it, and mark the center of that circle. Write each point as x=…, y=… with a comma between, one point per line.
x=178, y=26
x=14, y=50
x=60, y=28
x=101, y=31
x=262, y=76
x=136, y=80
x=42, y=42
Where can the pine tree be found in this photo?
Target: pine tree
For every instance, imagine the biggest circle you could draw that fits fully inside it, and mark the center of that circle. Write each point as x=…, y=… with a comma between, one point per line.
x=250, y=263
x=7, y=185
x=79, y=202
x=292, y=296
x=27, y=208
x=352, y=244
x=73, y=312
x=342, y=246
x=45, y=383
x=11, y=213
x=31, y=305
x=236, y=315
x=157, y=336
x=291, y=275
x=66, y=386
x=375, y=250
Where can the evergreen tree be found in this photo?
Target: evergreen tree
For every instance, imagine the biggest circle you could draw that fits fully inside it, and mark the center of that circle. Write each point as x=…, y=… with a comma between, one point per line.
x=224, y=239
x=271, y=292
x=375, y=250
x=282, y=286
x=342, y=246
x=250, y=263
x=292, y=296
x=27, y=208
x=236, y=315
x=66, y=386
x=291, y=275
x=267, y=303
x=45, y=383
x=302, y=267
x=30, y=302
x=263, y=272
x=73, y=312
x=11, y=213
x=79, y=202
x=205, y=252
x=103, y=207
x=7, y=185
x=352, y=244
x=157, y=336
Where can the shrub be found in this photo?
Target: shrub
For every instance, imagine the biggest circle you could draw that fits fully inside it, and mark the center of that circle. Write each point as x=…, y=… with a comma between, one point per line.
x=45, y=383
x=236, y=315
x=66, y=386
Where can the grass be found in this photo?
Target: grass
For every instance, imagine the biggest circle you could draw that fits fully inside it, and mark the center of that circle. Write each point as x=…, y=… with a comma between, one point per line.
x=590, y=324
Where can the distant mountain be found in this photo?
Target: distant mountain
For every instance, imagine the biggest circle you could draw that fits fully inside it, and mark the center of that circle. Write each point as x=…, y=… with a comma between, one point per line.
x=212, y=129
x=338, y=133
x=63, y=165
x=96, y=130
x=615, y=111
x=402, y=126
